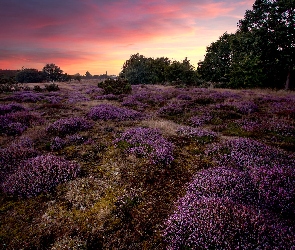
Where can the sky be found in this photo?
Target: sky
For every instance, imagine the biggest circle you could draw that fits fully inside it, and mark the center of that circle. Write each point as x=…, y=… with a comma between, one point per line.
x=100, y=35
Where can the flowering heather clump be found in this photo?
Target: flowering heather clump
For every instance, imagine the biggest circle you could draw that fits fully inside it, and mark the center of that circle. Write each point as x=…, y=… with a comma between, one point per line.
x=53, y=99
x=220, y=223
x=108, y=112
x=77, y=97
x=9, y=108
x=107, y=97
x=76, y=139
x=57, y=143
x=222, y=182
x=250, y=125
x=27, y=96
x=271, y=171
x=130, y=101
x=12, y=155
x=244, y=107
x=276, y=187
x=244, y=152
x=40, y=174
x=69, y=126
x=184, y=97
x=201, y=120
x=17, y=122
x=147, y=143
x=200, y=135
x=172, y=109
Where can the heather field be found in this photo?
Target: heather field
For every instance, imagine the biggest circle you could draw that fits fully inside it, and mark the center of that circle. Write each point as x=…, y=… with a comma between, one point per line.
x=163, y=167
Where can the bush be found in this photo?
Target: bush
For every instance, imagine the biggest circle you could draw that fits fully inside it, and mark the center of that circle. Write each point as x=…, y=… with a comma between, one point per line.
x=219, y=223
x=51, y=87
x=17, y=122
x=108, y=112
x=37, y=88
x=68, y=126
x=116, y=87
x=9, y=108
x=12, y=155
x=196, y=134
x=40, y=174
x=147, y=143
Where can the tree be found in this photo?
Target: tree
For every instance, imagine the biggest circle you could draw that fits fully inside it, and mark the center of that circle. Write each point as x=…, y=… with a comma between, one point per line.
x=30, y=75
x=88, y=75
x=182, y=72
x=142, y=70
x=216, y=65
x=273, y=21
x=52, y=72
x=77, y=77
x=139, y=70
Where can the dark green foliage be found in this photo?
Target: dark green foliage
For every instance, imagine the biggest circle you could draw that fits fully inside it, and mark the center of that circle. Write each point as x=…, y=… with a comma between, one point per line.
x=52, y=72
x=260, y=54
x=37, y=88
x=51, y=87
x=30, y=75
x=115, y=86
x=142, y=70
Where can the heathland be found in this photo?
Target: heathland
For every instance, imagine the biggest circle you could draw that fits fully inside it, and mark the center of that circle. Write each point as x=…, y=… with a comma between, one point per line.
x=162, y=167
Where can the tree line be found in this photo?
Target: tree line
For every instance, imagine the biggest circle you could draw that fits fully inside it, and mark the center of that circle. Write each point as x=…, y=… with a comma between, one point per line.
x=260, y=54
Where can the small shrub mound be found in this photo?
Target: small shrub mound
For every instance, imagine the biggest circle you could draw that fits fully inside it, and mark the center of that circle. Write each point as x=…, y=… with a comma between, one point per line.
x=108, y=112
x=51, y=87
x=40, y=174
x=68, y=126
x=15, y=123
x=219, y=223
x=116, y=87
x=199, y=135
x=147, y=143
x=11, y=156
x=9, y=108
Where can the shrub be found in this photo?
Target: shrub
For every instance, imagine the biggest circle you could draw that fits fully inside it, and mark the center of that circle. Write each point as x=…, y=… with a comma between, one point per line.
x=9, y=108
x=12, y=155
x=51, y=87
x=172, y=109
x=147, y=143
x=57, y=143
x=109, y=112
x=68, y=126
x=276, y=188
x=219, y=223
x=223, y=182
x=246, y=107
x=17, y=122
x=199, y=135
x=37, y=88
x=27, y=96
x=201, y=120
x=40, y=174
x=116, y=87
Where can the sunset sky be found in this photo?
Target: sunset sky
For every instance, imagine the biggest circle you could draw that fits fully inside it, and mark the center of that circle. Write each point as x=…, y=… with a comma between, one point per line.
x=100, y=35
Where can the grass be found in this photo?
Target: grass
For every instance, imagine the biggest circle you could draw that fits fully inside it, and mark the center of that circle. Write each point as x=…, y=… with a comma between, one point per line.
x=121, y=200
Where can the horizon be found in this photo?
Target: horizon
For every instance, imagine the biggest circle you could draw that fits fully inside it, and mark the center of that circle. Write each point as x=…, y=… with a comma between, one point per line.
x=99, y=35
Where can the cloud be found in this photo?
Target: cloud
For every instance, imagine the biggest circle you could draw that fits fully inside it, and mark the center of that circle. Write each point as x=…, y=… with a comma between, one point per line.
x=86, y=29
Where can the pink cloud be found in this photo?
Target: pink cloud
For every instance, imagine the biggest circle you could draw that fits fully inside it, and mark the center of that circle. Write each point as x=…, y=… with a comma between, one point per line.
x=82, y=31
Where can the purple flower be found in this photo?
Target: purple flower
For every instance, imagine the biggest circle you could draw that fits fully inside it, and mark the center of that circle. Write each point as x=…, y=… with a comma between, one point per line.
x=40, y=174
x=108, y=112
x=147, y=143
x=69, y=126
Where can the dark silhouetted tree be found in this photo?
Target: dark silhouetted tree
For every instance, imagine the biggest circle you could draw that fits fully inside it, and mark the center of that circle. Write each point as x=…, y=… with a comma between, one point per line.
x=52, y=72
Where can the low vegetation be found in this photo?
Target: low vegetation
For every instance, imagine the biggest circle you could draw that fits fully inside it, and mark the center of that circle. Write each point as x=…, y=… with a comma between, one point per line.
x=160, y=167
